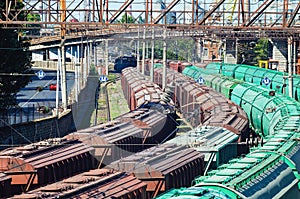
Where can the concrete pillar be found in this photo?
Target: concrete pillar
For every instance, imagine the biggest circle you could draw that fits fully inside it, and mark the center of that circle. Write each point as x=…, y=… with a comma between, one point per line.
x=106, y=57
x=76, y=76
x=85, y=65
x=78, y=63
x=90, y=56
x=224, y=52
x=63, y=80
x=95, y=56
x=236, y=50
x=57, y=81
x=47, y=57
x=88, y=59
x=81, y=65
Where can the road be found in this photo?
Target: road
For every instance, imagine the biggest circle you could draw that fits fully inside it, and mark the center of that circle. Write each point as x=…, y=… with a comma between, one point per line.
x=30, y=99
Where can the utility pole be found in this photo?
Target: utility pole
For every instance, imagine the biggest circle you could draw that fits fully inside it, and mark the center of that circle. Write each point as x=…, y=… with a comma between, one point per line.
x=63, y=54
x=164, y=82
x=290, y=65
x=152, y=56
x=143, y=54
x=138, y=50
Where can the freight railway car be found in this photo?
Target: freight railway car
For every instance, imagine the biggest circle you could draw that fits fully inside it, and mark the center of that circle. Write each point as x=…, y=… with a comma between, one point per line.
x=270, y=170
x=140, y=92
x=218, y=144
x=195, y=193
x=268, y=78
x=163, y=167
x=202, y=105
x=98, y=183
x=124, y=62
x=253, y=99
x=44, y=162
x=127, y=134
x=172, y=164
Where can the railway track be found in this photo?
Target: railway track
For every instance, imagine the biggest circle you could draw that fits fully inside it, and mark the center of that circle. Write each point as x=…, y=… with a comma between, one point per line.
x=102, y=102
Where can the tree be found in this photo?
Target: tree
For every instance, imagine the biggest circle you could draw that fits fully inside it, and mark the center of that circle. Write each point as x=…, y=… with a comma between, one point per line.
x=127, y=19
x=35, y=28
x=261, y=49
x=15, y=62
x=251, y=52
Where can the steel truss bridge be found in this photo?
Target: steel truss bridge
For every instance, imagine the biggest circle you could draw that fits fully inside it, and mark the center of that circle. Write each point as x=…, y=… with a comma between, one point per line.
x=213, y=18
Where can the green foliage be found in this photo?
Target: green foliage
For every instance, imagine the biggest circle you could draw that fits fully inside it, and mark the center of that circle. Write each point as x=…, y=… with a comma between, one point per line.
x=15, y=10
x=15, y=64
x=180, y=49
x=127, y=19
x=251, y=52
x=261, y=50
x=33, y=17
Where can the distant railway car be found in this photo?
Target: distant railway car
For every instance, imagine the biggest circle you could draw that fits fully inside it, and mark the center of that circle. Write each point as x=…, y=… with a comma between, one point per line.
x=252, y=98
x=275, y=80
x=124, y=62
x=142, y=93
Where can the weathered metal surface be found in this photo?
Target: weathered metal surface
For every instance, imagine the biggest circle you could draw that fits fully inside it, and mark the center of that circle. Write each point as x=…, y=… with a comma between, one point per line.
x=160, y=126
x=111, y=143
x=202, y=105
x=138, y=91
x=127, y=134
x=99, y=183
x=45, y=161
x=163, y=167
x=214, y=142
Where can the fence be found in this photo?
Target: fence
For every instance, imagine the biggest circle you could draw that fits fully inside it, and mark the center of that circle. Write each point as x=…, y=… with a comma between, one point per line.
x=52, y=65
x=19, y=115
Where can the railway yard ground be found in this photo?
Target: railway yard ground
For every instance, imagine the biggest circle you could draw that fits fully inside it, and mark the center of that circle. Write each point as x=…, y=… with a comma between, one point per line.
x=117, y=102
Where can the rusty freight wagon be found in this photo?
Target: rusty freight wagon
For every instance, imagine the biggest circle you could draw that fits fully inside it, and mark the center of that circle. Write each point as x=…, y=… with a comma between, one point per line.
x=163, y=167
x=201, y=105
x=98, y=183
x=127, y=134
x=40, y=163
x=140, y=92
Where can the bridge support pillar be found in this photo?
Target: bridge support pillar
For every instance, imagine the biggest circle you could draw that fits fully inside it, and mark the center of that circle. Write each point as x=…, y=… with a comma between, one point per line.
x=63, y=76
x=106, y=57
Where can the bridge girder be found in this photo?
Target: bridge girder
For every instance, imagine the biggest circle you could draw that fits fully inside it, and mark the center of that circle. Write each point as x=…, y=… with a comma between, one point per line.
x=66, y=17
